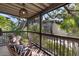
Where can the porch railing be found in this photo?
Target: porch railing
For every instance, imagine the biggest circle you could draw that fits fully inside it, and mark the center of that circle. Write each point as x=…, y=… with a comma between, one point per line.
x=51, y=44
x=56, y=45
x=61, y=45
x=4, y=39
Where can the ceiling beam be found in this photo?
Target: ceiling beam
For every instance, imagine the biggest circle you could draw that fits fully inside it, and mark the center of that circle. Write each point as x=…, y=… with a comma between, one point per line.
x=7, y=7
x=38, y=6
x=9, y=12
x=18, y=6
x=10, y=6
x=46, y=4
x=32, y=7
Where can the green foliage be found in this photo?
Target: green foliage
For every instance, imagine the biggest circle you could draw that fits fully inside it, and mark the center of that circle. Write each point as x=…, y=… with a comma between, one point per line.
x=71, y=20
x=6, y=24
x=34, y=27
x=68, y=24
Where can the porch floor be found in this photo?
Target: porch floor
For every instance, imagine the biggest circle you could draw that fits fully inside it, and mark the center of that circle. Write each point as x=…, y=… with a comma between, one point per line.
x=4, y=51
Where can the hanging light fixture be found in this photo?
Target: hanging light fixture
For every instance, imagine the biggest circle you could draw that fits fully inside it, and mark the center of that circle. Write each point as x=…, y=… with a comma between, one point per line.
x=23, y=12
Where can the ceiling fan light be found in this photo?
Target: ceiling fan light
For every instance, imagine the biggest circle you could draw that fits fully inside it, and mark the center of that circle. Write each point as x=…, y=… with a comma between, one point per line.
x=23, y=12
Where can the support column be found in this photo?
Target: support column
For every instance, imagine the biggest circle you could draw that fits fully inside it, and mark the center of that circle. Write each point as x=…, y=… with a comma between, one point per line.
x=40, y=31
x=27, y=32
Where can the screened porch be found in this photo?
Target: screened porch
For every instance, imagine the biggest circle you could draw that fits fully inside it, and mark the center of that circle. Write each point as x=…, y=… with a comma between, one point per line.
x=45, y=29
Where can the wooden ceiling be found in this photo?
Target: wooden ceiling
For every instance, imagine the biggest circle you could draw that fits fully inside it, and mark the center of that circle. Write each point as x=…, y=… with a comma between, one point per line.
x=32, y=8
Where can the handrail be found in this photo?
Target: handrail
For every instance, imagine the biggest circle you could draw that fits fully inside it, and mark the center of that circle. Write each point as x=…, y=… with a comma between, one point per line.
x=46, y=34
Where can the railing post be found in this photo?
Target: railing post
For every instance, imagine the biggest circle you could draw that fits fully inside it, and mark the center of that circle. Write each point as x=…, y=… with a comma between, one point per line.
x=78, y=48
